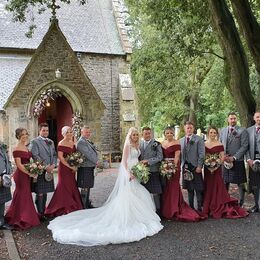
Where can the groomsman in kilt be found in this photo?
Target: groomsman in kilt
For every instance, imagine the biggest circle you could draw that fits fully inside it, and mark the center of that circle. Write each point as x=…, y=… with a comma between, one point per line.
x=43, y=150
x=5, y=193
x=235, y=141
x=152, y=155
x=193, y=153
x=85, y=176
x=253, y=154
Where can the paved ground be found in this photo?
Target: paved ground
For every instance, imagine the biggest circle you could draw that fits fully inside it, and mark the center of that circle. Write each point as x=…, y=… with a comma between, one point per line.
x=209, y=239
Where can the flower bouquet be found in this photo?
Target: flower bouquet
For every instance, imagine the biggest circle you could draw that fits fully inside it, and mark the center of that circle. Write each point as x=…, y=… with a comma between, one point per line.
x=75, y=159
x=212, y=161
x=141, y=172
x=35, y=168
x=167, y=168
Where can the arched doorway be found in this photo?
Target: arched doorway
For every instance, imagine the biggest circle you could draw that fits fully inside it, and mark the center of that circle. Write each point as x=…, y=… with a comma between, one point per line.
x=57, y=113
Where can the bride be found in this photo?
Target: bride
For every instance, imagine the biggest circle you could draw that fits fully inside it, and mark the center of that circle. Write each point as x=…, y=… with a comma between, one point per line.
x=127, y=215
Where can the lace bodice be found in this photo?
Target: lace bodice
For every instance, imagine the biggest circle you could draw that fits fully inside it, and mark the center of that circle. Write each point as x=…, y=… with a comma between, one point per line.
x=133, y=157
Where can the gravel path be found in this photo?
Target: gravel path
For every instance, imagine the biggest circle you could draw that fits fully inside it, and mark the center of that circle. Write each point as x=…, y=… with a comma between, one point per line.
x=209, y=239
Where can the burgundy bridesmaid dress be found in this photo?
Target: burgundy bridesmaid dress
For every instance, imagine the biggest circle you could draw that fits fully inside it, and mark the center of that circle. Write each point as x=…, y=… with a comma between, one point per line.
x=217, y=201
x=173, y=204
x=66, y=197
x=22, y=214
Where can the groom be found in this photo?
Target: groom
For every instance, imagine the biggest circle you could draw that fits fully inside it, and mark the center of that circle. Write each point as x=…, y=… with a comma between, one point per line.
x=152, y=155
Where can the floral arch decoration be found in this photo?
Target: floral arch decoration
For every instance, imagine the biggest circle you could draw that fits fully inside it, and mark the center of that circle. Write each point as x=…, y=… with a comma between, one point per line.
x=44, y=98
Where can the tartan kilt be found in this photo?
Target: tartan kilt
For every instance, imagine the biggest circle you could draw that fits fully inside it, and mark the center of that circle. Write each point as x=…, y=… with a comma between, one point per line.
x=42, y=186
x=154, y=185
x=85, y=177
x=5, y=194
x=254, y=179
x=236, y=175
x=196, y=184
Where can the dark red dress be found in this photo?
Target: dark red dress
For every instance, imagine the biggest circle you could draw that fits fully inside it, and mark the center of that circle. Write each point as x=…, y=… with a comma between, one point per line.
x=173, y=204
x=217, y=201
x=22, y=214
x=66, y=197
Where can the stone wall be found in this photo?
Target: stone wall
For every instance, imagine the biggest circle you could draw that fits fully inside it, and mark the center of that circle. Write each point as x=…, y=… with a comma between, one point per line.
x=98, y=87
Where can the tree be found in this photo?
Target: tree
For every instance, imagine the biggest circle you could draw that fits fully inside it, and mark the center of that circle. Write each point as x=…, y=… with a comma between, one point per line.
x=213, y=16
x=236, y=66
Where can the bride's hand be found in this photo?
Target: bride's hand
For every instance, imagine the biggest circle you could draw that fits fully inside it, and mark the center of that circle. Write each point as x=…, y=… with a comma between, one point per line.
x=131, y=177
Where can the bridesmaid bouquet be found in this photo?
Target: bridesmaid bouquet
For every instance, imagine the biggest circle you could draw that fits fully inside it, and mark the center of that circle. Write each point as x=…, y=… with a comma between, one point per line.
x=34, y=167
x=141, y=172
x=75, y=159
x=212, y=161
x=167, y=168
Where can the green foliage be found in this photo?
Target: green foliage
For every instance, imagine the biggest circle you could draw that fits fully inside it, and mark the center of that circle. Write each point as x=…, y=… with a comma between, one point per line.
x=174, y=58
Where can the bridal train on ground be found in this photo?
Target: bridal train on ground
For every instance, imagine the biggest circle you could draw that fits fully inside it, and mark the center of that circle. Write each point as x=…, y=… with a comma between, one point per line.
x=128, y=214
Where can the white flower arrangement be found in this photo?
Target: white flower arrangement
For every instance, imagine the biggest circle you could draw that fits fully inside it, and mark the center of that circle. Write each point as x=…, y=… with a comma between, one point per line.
x=44, y=98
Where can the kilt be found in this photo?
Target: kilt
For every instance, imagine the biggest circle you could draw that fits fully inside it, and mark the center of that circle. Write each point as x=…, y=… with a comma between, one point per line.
x=5, y=194
x=236, y=175
x=42, y=186
x=154, y=184
x=254, y=179
x=196, y=184
x=85, y=177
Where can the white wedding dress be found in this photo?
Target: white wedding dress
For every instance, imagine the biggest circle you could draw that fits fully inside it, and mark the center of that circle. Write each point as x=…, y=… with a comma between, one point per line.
x=127, y=215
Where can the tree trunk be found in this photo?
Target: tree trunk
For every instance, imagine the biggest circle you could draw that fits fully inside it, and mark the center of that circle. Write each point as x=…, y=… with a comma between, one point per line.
x=249, y=27
x=237, y=73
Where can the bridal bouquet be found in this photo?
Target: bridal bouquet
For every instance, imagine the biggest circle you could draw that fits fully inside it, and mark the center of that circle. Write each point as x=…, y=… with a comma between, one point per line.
x=141, y=172
x=75, y=158
x=34, y=167
x=212, y=161
x=167, y=168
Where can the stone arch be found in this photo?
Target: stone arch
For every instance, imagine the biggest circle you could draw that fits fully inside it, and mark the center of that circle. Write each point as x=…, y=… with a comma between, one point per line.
x=66, y=90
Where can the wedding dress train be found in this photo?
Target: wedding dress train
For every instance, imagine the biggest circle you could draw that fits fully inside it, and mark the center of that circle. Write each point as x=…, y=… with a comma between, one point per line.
x=127, y=215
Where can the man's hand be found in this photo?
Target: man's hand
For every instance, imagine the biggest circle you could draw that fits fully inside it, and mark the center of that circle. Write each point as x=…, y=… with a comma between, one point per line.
x=198, y=169
x=144, y=162
x=250, y=163
x=50, y=168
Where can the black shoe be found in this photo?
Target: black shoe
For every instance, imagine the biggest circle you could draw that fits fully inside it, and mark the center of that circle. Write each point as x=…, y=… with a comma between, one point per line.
x=6, y=227
x=43, y=218
x=254, y=209
x=90, y=206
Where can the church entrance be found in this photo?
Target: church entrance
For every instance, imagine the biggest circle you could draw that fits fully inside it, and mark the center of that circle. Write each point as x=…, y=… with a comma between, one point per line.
x=57, y=113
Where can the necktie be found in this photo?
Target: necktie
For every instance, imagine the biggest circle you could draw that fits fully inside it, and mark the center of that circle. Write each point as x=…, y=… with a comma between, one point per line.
x=231, y=129
x=187, y=139
x=258, y=129
x=46, y=141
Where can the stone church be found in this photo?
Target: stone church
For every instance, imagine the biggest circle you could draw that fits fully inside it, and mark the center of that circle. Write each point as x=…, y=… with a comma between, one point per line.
x=74, y=71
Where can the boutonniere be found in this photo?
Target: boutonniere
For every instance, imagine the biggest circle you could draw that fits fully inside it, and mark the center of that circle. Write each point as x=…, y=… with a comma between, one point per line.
x=234, y=132
x=49, y=142
x=191, y=142
x=3, y=146
x=154, y=145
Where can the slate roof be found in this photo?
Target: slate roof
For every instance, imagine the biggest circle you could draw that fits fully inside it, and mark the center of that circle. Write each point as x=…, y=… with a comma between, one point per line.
x=90, y=28
x=11, y=69
x=87, y=28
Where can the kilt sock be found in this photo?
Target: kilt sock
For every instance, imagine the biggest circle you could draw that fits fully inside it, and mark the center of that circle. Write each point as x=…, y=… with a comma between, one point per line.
x=241, y=190
x=191, y=198
x=2, y=212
